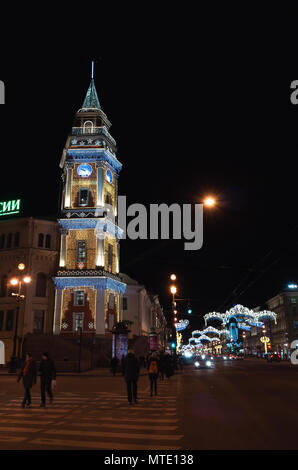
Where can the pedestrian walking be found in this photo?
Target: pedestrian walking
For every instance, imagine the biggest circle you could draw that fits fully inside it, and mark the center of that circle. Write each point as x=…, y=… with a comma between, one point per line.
x=28, y=374
x=114, y=365
x=153, y=373
x=47, y=371
x=169, y=370
x=131, y=375
x=122, y=364
x=161, y=366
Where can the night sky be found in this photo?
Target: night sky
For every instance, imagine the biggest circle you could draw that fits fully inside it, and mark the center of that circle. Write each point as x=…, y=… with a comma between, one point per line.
x=200, y=104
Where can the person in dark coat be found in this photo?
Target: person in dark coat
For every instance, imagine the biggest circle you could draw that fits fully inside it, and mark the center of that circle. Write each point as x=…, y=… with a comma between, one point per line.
x=47, y=371
x=169, y=370
x=114, y=365
x=161, y=366
x=122, y=364
x=28, y=373
x=131, y=375
x=153, y=368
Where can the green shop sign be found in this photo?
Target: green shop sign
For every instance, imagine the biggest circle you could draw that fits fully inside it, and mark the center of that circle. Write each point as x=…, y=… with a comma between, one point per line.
x=10, y=207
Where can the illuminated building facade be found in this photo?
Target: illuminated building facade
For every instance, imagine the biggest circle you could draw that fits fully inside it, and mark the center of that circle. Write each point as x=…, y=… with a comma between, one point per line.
x=87, y=284
x=34, y=242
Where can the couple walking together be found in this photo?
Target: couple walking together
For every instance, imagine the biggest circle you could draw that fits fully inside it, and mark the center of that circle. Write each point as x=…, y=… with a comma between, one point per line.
x=131, y=375
x=29, y=375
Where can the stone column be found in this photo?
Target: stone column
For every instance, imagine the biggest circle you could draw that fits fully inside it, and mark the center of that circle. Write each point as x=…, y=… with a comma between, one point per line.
x=100, y=311
x=57, y=311
x=62, y=262
x=117, y=257
x=99, y=250
x=68, y=187
x=100, y=183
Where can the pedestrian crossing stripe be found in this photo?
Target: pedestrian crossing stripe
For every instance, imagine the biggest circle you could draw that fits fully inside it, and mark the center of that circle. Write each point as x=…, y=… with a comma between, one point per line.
x=119, y=425
x=115, y=435
x=8, y=429
x=97, y=445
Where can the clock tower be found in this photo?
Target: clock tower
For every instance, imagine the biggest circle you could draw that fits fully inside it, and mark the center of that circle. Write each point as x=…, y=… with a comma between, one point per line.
x=88, y=286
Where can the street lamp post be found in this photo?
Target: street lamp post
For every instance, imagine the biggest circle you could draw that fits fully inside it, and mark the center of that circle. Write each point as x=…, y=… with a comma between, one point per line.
x=19, y=297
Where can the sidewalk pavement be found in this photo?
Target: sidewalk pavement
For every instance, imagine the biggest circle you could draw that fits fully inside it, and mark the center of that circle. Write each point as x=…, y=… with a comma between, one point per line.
x=100, y=372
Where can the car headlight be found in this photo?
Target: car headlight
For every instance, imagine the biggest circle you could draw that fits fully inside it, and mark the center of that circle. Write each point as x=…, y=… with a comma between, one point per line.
x=197, y=364
x=208, y=363
x=224, y=357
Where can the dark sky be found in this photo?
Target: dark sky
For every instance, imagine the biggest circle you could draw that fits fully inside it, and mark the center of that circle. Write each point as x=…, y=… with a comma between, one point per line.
x=199, y=103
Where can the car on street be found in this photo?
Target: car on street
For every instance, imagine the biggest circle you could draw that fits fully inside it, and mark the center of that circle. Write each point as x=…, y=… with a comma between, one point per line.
x=203, y=362
x=274, y=357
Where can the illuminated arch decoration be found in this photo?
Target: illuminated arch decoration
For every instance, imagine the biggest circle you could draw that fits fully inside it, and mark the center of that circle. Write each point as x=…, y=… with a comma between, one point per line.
x=213, y=316
x=266, y=314
x=182, y=324
x=211, y=329
x=242, y=315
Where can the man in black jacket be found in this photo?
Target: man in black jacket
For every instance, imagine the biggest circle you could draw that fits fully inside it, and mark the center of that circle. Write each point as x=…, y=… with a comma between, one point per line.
x=28, y=373
x=47, y=371
x=131, y=375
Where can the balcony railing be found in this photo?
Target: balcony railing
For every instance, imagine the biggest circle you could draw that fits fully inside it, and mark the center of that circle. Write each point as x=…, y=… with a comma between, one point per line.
x=93, y=131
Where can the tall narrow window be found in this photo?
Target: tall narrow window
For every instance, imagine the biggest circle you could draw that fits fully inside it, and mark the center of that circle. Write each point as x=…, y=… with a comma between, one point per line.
x=2, y=241
x=1, y=319
x=41, y=285
x=124, y=303
x=78, y=319
x=38, y=321
x=110, y=256
x=108, y=199
x=4, y=286
x=9, y=320
x=48, y=241
x=79, y=297
x=9, y=240
x=84, y=197
x=16, y=239
x=81, y=251
x=40, y=240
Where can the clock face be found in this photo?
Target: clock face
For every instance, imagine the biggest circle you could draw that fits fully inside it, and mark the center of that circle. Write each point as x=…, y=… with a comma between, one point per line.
x=109, y=176
x=84, y=170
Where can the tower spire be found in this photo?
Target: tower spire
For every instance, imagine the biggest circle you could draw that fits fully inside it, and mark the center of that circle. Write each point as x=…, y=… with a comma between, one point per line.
x=91, y=100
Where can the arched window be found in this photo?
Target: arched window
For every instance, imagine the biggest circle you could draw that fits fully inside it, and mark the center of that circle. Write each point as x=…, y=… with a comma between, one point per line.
x=88, y=127
x=41, y=285
x=40, y=240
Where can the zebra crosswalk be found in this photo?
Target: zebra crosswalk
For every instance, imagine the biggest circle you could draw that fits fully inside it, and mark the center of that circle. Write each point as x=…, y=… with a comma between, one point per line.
x=98, y=420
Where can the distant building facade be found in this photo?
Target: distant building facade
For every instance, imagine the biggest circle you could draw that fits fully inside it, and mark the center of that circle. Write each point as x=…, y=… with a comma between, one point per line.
x=34, y=242
x=285, y=305
x=143, y=312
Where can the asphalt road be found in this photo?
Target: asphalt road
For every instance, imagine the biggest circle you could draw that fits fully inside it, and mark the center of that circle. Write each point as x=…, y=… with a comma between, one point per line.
x=241, y=405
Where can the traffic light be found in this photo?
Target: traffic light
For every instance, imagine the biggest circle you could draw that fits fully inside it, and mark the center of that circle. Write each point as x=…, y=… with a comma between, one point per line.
x=173, y=345
x=189, y=310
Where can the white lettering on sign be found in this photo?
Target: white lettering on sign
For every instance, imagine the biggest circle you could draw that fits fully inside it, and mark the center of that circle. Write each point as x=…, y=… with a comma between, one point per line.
x=10, y=207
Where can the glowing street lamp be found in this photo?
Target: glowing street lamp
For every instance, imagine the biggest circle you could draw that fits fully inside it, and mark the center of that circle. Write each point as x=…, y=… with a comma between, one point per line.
x=173, y=277
x=14, y=282
x=209, y=201
x=173, y=290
